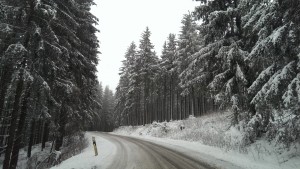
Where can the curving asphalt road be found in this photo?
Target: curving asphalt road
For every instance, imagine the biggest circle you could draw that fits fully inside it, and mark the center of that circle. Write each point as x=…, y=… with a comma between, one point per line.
x=134, y=153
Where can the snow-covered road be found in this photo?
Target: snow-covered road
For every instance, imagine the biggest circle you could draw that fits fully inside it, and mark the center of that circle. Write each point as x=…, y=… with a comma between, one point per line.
x=121, y=152
x=133, y=153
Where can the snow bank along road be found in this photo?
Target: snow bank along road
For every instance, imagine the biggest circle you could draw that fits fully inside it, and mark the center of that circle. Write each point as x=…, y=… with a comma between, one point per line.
x=133, y=153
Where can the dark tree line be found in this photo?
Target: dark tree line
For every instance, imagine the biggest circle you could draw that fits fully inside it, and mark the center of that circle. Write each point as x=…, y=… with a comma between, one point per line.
x=48, y=58
x=106, y=119
x=243, y=55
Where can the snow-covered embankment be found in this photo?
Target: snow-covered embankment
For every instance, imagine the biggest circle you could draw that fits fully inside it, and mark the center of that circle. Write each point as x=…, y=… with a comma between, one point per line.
x=212, y=136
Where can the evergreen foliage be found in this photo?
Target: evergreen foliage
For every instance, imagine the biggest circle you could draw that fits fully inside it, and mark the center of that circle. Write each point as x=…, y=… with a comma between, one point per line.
x=48, y=52
x=242, y=55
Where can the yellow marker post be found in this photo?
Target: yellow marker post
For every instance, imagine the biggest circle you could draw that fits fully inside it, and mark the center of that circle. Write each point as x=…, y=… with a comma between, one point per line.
x=95, y=146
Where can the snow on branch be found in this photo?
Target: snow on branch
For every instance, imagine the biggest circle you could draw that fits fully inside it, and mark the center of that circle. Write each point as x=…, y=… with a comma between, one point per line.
x=262, y=79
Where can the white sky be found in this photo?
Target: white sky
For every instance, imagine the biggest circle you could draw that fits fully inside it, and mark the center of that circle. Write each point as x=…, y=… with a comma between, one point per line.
x=123, y=21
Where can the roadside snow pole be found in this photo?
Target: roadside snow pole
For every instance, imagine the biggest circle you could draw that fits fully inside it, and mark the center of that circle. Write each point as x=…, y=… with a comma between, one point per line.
x=95, y=146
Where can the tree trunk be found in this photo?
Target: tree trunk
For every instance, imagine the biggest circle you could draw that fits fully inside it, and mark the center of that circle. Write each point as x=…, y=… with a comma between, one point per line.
x=193, y=102
x=31, y=138
x=13, y=124
x=184, y=107
x=4, y=82
x=45, y=134
x=61, y=129
x=140, y=109
x=40, y=131
x=171, y=99
x=181, y=107
x=160, y=107
x=204, y=105
x=198, y=106
x=165, y=99
x=17, y=143
x=178, y=110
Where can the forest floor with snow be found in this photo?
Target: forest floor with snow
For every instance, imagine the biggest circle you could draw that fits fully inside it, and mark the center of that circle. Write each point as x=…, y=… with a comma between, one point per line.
x=42, y=159
x=212, y=135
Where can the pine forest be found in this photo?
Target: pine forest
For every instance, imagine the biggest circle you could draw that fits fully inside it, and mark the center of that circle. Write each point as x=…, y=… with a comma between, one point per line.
x=241, y=56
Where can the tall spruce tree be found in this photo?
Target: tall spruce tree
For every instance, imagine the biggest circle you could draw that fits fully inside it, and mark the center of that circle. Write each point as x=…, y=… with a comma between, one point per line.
x=222, y=56
x=147, y=60
x=188, y=44
x=169, y=76
x=53, y=45
x=126, y=93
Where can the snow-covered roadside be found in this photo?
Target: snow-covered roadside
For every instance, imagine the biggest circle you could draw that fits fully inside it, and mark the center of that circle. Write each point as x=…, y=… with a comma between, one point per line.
x=209, y=154
x=197, y=133
x=87, y=159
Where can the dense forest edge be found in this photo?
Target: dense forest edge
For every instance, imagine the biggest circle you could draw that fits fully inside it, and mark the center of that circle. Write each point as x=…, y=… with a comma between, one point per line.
x=236, y=55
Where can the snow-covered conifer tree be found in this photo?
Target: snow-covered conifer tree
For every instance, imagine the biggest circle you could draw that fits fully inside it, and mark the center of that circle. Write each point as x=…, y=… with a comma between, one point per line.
x=126, y=94
x=274, y=60
x=147, y=60
x=58, y=38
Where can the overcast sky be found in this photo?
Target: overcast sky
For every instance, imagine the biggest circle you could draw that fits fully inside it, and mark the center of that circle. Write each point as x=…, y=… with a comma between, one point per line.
x=123, y=21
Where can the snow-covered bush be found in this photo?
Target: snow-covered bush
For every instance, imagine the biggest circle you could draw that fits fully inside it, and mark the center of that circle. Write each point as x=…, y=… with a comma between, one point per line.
x=209, y=129
x=160, y=129
x=73, y=145
x=285, y=129
x=235, y=139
